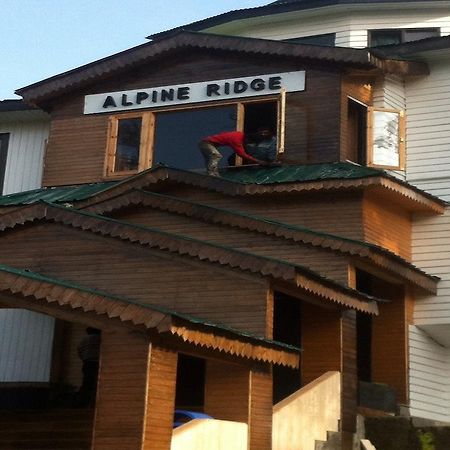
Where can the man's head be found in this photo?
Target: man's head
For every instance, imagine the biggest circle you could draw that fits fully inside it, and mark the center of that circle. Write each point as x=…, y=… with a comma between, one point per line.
x=264, y=133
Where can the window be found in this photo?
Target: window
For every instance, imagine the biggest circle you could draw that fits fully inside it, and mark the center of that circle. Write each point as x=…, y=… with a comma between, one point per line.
x=375, y=136
x=386, y=138
x=136, y=141
x=328, y=40
x=397, y=36
x=4, y=141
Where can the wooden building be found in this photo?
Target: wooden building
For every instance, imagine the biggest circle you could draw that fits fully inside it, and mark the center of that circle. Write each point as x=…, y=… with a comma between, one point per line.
x=259, y=281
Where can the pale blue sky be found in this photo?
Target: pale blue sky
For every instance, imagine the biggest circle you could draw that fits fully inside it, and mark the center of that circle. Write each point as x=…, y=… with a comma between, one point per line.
x=41, y=38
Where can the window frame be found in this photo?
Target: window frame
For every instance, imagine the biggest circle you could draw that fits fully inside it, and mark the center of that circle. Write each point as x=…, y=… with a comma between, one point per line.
x=401, y=138
x=402, y=32
x=149, y=128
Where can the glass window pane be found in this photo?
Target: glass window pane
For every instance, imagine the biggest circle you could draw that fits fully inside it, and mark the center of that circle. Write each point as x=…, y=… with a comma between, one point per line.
x=385, y=37
x=179, y=132
x=418, y=34
x=386, y=139
x=128, y=142
x=328, y=39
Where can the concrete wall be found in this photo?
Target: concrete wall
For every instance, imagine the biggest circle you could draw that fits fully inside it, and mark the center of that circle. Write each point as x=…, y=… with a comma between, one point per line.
x=210, y=434
x=306, y=416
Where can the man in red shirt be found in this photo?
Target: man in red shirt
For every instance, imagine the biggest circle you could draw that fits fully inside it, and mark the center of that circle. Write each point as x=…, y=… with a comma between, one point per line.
x=234, y=139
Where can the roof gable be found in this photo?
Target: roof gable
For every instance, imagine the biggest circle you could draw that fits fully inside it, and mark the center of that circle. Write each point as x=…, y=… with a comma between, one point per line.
x=282, y=272
x=145, y=53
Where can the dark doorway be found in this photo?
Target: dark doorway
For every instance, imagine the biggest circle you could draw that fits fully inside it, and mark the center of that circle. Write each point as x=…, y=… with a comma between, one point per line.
x=190, y=383
x=286, y=329
x=357, y=132
x=364, y=283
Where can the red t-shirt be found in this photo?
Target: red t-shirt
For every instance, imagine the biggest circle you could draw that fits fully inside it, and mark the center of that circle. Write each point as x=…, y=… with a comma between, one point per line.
x=233, y=139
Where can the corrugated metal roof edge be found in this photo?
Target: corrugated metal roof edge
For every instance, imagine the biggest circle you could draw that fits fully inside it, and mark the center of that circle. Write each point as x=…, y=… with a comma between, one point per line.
x=369, y=245
x=304, y=270
x=195, y=320
x=266, y=10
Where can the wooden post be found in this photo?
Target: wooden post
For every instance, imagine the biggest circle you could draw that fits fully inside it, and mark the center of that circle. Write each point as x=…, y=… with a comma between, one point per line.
x=135, y=396
x=241, y=394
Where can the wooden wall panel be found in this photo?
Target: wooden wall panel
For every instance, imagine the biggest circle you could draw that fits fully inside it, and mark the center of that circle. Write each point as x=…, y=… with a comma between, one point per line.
x=312, y=116
x=349, y=372
x=325, y=262
x=390, y=339
x=151, y=276
x=227, y=391
x=330, y=212
x=387, y=225
x=160, y=400
x=260, y=410
x=321, y=342
x=243, y=395
x=120, y=407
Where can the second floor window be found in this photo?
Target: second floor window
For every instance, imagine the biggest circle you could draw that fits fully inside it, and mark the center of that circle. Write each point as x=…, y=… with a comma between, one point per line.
x=398, y=36
x=4, y=141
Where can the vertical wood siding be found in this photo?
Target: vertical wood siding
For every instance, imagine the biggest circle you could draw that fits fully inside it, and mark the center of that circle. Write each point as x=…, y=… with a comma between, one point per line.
x=429, y=380
x=121, y=394
x=25, y=346
x=350, y=28
x=25, y=155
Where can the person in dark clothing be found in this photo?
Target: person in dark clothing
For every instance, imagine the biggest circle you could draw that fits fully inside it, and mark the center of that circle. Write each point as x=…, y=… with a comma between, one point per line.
x=237, y=141
x=89, y=353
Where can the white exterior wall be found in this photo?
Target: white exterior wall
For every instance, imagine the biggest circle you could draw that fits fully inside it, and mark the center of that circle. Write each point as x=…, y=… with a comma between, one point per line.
x=429, y=377
x=25, y=337
x=350, y=26
x=25, y=155
x=428, y=167
x=25, y=346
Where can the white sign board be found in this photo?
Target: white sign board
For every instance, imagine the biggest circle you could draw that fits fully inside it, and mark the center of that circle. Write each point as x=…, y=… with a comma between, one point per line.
x=205, y=91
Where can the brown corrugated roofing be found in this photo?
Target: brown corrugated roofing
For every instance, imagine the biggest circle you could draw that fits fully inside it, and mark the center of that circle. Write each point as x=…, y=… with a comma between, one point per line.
x=81, y=76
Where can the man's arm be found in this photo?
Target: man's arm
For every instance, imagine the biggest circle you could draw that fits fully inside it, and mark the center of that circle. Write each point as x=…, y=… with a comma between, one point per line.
x=240, y=151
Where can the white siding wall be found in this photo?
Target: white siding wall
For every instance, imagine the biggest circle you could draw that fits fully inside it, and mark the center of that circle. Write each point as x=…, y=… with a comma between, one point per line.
x=25, y=155
x=350, y=27
x=25, y=337
x=429, y=377
x=428, y=167
x=25, y=346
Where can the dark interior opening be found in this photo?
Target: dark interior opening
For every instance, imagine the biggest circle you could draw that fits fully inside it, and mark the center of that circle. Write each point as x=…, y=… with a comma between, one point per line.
x=4, y=141
x=364, y=329
x=357, y=132
x=190, y=391
x=258, y=115
x=286, y=329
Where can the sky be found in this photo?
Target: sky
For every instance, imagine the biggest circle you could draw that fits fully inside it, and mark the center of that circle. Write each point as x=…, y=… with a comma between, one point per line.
x=41, y=38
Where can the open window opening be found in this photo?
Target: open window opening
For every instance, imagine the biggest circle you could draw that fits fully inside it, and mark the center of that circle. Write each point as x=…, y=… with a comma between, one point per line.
x=190, y=390
x=357, y=131
x=138, y=141
x=286, y=329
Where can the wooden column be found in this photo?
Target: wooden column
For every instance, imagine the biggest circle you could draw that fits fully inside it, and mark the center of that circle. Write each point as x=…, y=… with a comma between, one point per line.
x=390, y=358
x=135, y=396
x=321, y=342
x=241, y=394
x=349, y=371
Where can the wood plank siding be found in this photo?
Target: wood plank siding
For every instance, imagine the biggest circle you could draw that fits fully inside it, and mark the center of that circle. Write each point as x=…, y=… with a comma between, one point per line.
x=243, y=395
x=227, y=296
x=428, y=167
x=387, y=225
x=350, y=26
x=390, y=338
x=331, y=212
x=77, y=143
x=325, y=262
